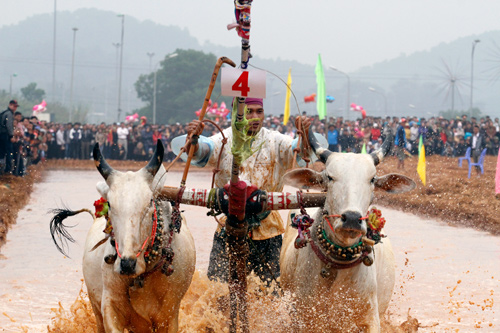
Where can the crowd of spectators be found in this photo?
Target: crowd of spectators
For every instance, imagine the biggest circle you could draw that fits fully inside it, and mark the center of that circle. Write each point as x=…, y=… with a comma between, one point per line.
x=33, y=140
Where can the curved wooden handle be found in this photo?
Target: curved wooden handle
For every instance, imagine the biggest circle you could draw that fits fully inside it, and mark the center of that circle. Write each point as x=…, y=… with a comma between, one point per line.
x=194, y=140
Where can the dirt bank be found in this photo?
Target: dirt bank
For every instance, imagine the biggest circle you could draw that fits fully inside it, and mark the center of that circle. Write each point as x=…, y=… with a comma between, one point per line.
x=14, y=195
x=449, y=194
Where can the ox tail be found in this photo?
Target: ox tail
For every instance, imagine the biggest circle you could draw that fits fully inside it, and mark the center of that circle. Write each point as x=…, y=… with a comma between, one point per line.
x=60, y=235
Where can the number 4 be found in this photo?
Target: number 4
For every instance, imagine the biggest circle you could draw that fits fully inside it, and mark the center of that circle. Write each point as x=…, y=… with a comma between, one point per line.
x=242, y=84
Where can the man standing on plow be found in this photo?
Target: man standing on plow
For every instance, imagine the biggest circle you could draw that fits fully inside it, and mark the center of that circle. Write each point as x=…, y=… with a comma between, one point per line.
x=272, y=155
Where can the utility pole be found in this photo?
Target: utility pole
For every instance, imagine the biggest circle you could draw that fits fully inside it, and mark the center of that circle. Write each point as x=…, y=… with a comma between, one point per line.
x=348, y=103
x=121, y=69
x=150, y=55
x=54, y=55
x=72, y=76
x=472, y=74
x=12, y=76
x=117, y=65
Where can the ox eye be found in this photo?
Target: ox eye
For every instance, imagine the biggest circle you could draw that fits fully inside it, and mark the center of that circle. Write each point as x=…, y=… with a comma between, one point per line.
x=372, y=181
x=329, y=178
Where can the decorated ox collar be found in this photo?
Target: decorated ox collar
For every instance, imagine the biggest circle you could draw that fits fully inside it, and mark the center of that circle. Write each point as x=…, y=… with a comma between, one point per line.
x=335, y=256
x=331, y=254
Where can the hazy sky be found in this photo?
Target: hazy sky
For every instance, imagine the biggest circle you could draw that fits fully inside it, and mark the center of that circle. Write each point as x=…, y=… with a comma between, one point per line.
x=348, y=34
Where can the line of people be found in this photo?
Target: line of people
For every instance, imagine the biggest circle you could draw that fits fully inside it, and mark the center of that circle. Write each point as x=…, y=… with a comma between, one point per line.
x=21, y=142
x=25, y=140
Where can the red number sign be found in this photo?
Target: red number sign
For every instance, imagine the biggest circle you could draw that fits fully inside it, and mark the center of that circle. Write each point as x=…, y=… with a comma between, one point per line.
x=242, y=84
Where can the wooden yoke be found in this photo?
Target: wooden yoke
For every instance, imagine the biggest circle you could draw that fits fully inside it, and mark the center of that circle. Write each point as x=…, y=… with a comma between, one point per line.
x=270, y=200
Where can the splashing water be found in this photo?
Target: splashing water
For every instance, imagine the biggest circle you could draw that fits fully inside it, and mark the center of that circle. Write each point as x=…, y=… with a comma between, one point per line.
x=205, y=309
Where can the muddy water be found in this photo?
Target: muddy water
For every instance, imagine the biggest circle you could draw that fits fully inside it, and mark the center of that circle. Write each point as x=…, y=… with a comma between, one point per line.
x=448, y=276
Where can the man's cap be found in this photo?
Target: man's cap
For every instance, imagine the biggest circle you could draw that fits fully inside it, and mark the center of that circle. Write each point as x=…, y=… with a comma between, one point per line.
x=402, y=120
x=14, y=102
x=252, y=101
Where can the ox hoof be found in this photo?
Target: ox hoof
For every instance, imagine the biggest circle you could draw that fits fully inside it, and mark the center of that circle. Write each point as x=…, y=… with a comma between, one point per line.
x=367, y=261
x=110, y=259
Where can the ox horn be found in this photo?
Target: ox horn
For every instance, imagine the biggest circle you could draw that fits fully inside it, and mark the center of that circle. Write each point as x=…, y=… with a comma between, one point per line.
x=157, y=159
x=379, y=154
x=104, y=169
x=321, y=152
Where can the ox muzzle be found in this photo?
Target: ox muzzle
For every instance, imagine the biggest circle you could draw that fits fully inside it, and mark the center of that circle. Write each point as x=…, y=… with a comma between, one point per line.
x=127, y=266
x=352, y=222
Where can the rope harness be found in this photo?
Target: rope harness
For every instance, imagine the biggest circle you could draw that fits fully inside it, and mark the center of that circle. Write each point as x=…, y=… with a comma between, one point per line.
x=152, y=236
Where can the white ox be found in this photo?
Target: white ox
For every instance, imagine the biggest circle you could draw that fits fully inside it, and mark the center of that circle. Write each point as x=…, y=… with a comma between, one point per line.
x=127, y=292
x=333, y=293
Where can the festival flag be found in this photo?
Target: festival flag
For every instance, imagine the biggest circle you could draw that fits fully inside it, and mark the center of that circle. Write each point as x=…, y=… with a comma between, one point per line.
x=310, y=98
x=320, y=82
x=363, y=150
x=421, y=160
x=288, y=94
x=497, y=175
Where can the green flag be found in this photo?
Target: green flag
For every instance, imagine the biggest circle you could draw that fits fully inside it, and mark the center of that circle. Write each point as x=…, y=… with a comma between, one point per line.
x=321, y=95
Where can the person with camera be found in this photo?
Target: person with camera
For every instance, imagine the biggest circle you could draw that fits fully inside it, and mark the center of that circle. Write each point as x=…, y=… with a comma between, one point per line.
x=7, y=137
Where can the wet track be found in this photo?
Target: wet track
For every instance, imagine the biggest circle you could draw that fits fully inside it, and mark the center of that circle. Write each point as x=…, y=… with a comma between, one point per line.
x=448, y=276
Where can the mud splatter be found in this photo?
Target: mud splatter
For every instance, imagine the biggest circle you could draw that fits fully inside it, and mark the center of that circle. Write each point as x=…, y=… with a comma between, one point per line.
x=204, y=309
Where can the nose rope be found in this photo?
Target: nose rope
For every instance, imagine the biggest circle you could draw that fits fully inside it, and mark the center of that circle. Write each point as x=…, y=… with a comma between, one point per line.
x=337, y=215
x=328, y=221
x=153, y=234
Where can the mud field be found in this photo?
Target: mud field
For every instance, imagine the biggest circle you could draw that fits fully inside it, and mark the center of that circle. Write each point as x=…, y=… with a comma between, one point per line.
x=447, y=276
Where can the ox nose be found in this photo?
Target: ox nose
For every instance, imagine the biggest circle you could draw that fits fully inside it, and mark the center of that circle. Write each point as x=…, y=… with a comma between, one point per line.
x=351, y=220
x=127, y=266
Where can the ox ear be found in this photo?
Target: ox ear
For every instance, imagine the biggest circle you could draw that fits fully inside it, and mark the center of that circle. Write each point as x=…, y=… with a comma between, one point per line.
x=305, y=179
x=394, y=183
x=159, y=179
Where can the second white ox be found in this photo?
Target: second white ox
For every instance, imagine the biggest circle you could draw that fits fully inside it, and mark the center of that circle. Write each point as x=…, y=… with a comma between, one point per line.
x=130, y=292
x=331, y=291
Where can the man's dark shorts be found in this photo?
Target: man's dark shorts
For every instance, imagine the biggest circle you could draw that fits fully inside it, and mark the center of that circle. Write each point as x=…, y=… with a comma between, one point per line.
x=264, y=258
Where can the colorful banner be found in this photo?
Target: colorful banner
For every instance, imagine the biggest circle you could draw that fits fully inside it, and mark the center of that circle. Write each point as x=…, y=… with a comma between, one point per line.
x=497, y=175
x=421, y=161
x=321, y=93
x=288, y=95
x=363, y=150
